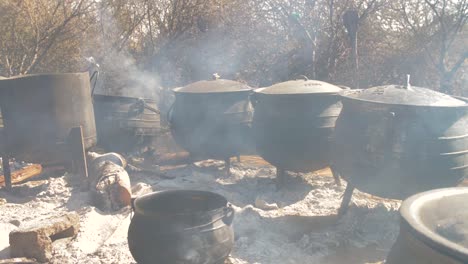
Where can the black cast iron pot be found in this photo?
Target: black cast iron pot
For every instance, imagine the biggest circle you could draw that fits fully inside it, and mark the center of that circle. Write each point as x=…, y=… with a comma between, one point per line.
x=181, y=227
x=393, y=141
x=211, y=119
x=293, y=123
x=434, y=229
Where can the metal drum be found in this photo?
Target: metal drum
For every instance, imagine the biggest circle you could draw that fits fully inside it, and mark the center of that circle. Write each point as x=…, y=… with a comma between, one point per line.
x=124, y=123
x=39, y=112
x=211, y=119
x=394, y=141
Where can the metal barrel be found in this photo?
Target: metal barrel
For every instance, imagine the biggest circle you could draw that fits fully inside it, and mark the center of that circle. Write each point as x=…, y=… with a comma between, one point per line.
x=39, y=112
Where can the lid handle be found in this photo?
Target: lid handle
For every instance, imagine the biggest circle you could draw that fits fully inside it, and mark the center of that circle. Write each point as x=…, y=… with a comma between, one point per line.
x=215, y=76
x=408, y=85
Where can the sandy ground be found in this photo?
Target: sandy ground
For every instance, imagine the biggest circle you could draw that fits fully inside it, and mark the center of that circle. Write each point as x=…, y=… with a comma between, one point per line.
x=304, y=229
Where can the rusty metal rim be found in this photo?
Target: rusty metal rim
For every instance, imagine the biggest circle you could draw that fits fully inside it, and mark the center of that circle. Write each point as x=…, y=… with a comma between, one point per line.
x=43, y=75
x=410, y=213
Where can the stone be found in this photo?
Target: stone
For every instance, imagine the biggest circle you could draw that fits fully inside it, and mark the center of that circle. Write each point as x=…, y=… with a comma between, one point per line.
x=15, y=222
x=3, y=201
x=34, y=240
x=141, y=189
x=262, y=204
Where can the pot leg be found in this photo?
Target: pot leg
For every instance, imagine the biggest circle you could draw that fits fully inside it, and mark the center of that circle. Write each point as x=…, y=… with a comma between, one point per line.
x=346, y=200
x=7, y=172
x=280, y=175
x=227, y=165
x=336, y=175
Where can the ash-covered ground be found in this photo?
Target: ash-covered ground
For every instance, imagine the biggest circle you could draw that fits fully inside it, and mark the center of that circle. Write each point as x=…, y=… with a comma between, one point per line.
x=303, y=228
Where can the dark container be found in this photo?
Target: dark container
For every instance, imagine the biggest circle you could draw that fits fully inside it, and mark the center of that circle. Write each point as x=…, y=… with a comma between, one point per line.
x=181, y=226
x=393, y=142
x=433, y=229
x=39, y=112
x=211, y=119
x=125, y=122
x=293, y=123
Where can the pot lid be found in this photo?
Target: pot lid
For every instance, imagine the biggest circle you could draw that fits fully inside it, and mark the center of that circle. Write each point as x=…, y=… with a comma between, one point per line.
x=397, y=94
x=213, y=86
x=301, y=87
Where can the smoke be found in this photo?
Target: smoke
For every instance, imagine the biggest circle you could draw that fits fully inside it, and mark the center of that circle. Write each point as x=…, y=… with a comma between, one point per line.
x=122, y=76
x=120, y=73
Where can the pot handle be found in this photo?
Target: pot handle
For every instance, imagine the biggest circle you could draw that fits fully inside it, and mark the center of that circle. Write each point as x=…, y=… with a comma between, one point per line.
x=302, y=77
x=346, y=88
x=94, y=76
x=132, y=205
x=139, y=107
x=169, y=114
x=228, y=215
x=253, y=99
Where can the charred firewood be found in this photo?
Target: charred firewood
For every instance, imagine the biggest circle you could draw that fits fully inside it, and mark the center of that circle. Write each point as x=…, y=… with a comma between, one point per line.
x=110, y=187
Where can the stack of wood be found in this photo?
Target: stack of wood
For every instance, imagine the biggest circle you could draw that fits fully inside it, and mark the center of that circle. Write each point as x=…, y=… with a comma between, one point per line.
x=110, y=186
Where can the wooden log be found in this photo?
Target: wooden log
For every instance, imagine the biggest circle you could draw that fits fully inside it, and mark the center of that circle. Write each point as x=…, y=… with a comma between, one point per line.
x=23, y=174
x=110, y=186
x=177, y=158
x=77, y=152
x=18, y=261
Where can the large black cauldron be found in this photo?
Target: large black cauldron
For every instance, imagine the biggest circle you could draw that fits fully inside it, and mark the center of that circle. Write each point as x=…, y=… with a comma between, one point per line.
x=211, y=119
x=434, y=228
x=394, y=141
x=181, y=226
x=294, y=122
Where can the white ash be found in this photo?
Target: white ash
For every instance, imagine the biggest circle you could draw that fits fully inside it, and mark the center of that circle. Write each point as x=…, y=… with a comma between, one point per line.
x=304, y=229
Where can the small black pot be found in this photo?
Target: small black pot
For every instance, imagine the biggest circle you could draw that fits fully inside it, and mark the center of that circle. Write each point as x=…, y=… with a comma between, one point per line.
x=181, y=227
